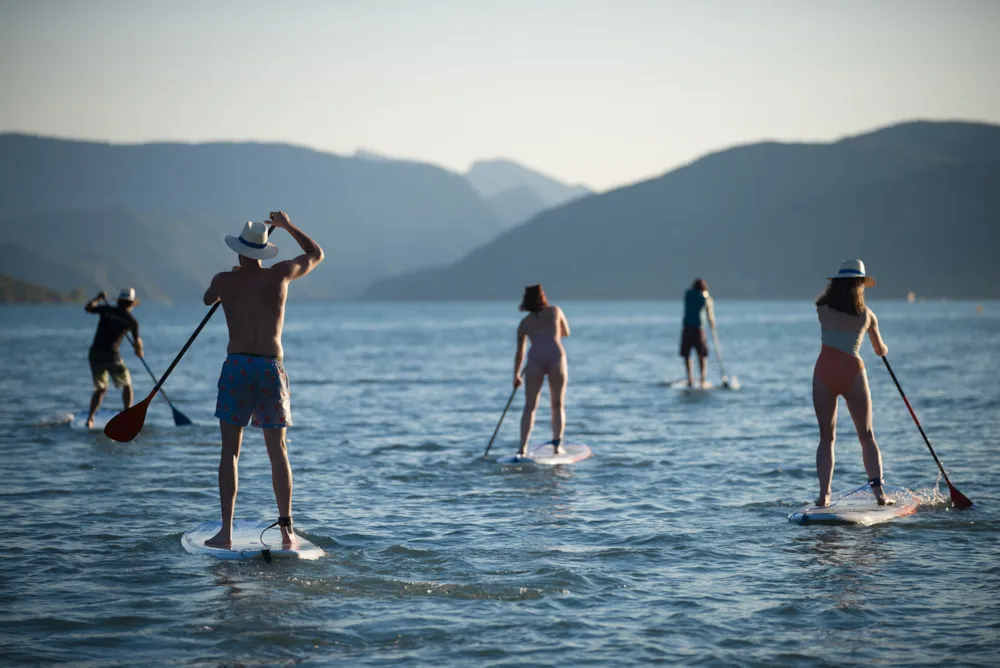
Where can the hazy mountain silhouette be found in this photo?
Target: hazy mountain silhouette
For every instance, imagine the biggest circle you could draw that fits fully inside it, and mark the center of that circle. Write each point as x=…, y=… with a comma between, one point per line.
x=492, y=177
x=918, y=202
x=516, y=205
x=372, y=218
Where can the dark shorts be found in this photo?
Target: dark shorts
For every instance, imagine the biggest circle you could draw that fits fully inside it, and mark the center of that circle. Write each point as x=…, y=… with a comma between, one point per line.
x=256, y=386
x=104, y=363
x=693, y=338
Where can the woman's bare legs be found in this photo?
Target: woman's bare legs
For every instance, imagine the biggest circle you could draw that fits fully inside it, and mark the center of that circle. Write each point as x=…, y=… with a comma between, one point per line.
x=859, y=403
x=557, y=390
x=533, y=377
x=825, y=404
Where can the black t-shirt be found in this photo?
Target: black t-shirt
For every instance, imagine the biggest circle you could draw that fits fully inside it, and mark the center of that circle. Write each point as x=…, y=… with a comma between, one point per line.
x=114, y=322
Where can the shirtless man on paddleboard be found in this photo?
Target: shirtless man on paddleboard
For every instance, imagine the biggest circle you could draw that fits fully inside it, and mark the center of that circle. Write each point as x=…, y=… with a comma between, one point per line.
x=253, y=381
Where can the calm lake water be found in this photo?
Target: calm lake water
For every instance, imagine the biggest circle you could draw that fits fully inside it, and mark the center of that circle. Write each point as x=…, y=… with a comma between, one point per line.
x=670, y=545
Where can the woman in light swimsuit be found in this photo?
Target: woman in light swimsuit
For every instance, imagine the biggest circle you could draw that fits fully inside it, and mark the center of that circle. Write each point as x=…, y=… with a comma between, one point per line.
x=844, y=319
x=544, y=325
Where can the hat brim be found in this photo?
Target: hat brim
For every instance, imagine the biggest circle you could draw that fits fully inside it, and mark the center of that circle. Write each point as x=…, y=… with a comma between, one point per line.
x=237, y=246
x=869, y=280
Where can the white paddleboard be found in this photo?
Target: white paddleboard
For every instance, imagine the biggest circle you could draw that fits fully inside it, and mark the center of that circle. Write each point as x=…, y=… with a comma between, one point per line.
x=708, y=386
x=858, y=508
x=101, y=419
x=246, y=542
x=543, y=454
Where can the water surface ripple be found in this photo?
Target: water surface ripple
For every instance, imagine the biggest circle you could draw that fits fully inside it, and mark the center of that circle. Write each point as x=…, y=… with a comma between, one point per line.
x=670, y=545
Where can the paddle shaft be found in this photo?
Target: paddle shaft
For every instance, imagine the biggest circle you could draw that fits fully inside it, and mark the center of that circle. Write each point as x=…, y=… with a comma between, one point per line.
x=915, y=420
x=502, y=416
x=718, y=351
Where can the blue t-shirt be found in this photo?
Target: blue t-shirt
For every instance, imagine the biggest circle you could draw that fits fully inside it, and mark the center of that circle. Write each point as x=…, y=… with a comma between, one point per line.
x=694, y=302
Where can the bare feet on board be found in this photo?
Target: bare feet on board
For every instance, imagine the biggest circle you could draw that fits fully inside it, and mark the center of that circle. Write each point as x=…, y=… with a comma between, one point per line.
x=221, y=539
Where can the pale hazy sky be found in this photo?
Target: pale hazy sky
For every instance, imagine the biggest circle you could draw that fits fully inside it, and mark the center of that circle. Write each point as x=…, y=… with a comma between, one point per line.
x=599, y=92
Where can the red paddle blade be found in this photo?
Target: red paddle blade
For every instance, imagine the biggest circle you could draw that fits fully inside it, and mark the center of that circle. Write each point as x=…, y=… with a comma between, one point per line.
x=961, y=501
x=126, y=425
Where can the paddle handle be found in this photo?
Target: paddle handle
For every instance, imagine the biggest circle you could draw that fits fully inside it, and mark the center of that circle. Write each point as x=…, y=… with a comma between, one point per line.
x=502, y=416
x=916, y=421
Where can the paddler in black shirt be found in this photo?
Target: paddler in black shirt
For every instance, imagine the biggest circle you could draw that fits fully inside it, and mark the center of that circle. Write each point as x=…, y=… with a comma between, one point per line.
x=114, y=322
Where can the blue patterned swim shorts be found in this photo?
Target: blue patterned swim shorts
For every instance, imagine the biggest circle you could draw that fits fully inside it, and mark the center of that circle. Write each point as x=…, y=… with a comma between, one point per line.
x=254, y=385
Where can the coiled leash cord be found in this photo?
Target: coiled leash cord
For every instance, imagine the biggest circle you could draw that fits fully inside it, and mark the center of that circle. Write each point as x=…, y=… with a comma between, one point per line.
x=266, y=550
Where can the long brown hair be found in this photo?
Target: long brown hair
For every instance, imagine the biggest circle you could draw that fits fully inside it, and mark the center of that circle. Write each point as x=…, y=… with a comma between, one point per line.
x=534, y=299
x=846, y=295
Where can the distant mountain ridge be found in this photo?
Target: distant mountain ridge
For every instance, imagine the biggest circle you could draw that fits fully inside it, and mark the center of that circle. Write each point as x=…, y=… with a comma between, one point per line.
x=373, y=218
x=516, y=193
x=919, y=202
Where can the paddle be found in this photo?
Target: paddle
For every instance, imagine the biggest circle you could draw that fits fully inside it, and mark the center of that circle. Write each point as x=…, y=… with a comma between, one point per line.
x=126, y=425
x=180, y=420
x=960, y=500
x=502, y=416
x=722, y=365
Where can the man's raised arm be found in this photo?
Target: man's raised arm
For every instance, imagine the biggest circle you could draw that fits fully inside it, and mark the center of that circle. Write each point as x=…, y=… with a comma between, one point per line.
x=311, y=256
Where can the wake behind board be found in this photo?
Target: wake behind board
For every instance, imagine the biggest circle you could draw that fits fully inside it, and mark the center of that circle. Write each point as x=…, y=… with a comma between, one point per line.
x=543, y=454
x=246, y=542
x=101, y=418
x=859, y=508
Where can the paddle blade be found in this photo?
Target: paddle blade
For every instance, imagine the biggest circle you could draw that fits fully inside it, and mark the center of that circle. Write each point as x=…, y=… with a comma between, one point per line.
x=960, y=501
x=180, y=420
x=126, y=425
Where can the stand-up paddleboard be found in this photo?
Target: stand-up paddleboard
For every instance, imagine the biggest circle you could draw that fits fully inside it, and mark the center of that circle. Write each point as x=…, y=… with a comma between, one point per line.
x=706, y=387
x=543, y=454
x=859, y=507
x=246, y=542
x=101, y=418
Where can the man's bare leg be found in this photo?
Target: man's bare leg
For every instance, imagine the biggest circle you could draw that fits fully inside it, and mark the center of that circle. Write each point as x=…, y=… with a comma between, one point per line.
x=690, y=373
x=127, y=397
x=95, y=403
x=232, y=438
x=281, y=478
x=703, y=365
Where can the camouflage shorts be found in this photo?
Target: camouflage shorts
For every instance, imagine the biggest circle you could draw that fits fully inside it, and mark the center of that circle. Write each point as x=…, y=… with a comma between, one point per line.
x=105, y=363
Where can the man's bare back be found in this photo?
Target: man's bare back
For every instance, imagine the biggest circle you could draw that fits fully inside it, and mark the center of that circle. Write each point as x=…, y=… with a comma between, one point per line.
x=253, y=297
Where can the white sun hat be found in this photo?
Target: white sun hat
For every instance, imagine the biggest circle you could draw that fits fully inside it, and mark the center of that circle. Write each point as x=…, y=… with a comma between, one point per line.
x=127, y=295
x=854, y=269
x=253, y=242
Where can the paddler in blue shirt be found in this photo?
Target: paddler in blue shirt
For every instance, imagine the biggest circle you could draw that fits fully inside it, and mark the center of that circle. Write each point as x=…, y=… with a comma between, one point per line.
x=693, y=336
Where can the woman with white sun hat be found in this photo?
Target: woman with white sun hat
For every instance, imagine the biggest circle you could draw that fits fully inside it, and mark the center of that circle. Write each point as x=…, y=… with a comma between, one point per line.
x=840, y=371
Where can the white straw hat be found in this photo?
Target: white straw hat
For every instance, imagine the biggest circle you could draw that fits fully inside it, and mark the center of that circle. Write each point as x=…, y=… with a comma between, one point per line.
x=854, y=269
x=253, y=242
x=127, y=295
